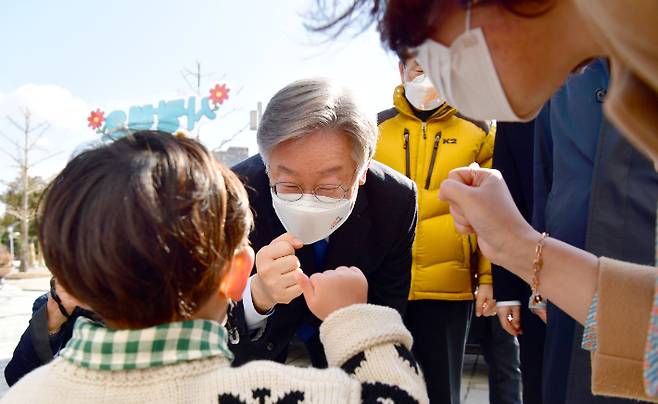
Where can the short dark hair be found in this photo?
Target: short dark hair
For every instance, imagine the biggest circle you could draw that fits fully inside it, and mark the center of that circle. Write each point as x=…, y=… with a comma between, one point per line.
x=402, y=24
x=132, y=227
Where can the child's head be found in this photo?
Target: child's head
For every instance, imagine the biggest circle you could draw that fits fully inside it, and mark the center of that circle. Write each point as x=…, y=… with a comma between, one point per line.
x=147, y=229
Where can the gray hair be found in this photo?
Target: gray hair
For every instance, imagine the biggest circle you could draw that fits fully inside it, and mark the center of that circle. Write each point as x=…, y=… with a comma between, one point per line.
x=304, y=106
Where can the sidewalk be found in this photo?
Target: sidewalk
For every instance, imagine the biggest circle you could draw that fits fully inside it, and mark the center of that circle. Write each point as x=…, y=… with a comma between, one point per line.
x=18, y=294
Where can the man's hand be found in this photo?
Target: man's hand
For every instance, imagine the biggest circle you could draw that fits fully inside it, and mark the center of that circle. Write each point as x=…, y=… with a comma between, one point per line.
x=485, y=304
x=55, y=317
x=474, y=193
x=275, y=281
x=331, y=290
x=510, y=319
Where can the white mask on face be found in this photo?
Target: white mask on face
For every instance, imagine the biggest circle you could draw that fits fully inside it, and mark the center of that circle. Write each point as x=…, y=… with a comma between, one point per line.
x=466, y=76
x=421, y=93
x=310, y=220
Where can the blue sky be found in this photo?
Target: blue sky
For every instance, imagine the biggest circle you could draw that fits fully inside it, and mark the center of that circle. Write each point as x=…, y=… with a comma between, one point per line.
x=61, y=59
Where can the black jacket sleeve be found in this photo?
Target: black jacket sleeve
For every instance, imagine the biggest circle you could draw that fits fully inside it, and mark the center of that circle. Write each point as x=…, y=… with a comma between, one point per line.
x=36, y=347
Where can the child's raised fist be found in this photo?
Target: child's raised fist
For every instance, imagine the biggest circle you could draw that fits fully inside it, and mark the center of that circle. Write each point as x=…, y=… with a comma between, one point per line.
x=331, y=290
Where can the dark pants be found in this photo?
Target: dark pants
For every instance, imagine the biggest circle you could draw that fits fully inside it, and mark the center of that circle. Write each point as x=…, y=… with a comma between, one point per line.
x=439, y=329
x=313, y=346
x=315, y=351
x=501, y=351
x=532, y=355
x=557, y=354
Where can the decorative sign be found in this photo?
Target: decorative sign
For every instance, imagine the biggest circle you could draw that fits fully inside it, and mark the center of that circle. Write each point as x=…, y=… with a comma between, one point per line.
x=118, y=124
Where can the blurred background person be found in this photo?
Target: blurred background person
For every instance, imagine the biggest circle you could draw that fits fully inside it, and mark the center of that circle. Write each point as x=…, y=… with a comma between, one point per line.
x=424, y=138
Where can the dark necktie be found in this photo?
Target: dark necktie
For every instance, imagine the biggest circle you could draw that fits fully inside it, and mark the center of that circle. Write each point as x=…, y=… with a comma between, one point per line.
x=306, y=331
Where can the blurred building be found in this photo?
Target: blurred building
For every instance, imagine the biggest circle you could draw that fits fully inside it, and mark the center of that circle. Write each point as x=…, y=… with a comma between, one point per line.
x=232, y=155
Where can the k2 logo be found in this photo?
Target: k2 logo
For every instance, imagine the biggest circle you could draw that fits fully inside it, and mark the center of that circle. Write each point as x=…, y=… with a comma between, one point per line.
x=449, y=141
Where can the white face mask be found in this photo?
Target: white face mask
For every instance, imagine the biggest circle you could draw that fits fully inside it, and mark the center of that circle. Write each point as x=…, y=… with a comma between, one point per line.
x=311, y=220
x=466, y=76
x=421, y=93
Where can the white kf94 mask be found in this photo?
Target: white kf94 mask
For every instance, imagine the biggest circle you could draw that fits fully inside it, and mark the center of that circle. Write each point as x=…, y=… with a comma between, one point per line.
x=466, y=76
x=421, y=93
x=310, y=220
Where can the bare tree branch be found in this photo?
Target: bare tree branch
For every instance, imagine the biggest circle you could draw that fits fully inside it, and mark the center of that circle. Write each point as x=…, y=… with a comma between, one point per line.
x=41, y=160
x=11, y=211
x=39, y=136
x=230, y=112
x=238, y=91
x=27, y=128
x=185, y=73
x=39, y=126
x=10, y=140
x=231, y=138
x=17, y=125
x=17, y=160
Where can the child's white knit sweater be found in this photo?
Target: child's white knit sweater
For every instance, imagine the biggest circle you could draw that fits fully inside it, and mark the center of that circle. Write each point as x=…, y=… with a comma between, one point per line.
x=367, y=348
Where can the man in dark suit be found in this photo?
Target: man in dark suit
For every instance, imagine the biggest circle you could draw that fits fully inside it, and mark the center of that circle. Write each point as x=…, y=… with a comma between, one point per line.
x=513, y=157
x=319, y=202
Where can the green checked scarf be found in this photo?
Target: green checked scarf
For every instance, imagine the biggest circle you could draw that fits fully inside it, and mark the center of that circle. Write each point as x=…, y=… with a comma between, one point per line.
x=93, y=346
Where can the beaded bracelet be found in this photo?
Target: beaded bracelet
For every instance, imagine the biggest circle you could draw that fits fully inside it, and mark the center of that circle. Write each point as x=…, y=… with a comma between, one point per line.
x=537, y=302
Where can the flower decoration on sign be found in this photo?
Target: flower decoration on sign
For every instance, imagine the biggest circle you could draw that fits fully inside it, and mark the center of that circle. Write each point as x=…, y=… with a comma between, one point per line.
x=218, y=95
x=96, y=119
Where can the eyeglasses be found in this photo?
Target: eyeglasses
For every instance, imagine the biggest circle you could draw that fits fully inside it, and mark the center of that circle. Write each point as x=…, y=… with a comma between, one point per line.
x=291, y=192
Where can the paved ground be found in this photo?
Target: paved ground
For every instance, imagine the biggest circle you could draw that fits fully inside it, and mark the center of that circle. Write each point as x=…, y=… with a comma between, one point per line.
x=17, y=295
x=475, y=385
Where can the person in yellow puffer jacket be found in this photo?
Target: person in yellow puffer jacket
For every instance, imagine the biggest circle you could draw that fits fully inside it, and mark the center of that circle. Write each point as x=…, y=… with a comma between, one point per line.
x=425, y=138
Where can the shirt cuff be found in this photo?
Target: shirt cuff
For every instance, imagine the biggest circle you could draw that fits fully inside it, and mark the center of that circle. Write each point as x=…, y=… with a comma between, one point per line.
x=508, y=303
x=252, y=317
x=590, y=335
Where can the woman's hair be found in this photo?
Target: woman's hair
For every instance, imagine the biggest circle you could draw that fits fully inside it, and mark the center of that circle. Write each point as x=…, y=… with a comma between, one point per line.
x=143, y=229
x=402, y=24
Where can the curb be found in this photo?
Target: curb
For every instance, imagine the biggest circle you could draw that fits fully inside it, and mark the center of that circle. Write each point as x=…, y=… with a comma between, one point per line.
x=28, y=275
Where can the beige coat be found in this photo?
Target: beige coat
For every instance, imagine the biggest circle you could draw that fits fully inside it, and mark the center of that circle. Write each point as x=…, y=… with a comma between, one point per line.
x=625, y=301
x=628, y=30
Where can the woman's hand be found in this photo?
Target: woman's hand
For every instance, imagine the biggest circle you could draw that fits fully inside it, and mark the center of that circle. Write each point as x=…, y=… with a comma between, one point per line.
x=481, y=203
